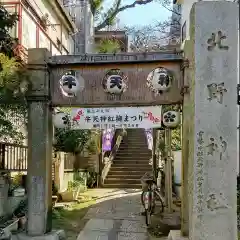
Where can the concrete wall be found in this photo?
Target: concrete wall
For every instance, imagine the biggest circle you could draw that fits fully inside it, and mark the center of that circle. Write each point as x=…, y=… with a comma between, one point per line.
x=81, y=161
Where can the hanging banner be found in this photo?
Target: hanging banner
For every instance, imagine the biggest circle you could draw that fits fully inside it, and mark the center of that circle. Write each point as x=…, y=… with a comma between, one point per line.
x=107, y=137
x=121, y=117
x=149, y=136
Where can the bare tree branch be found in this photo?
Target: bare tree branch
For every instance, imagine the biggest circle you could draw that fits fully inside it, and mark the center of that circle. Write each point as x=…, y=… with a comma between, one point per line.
x=146, y=38
x=161, y=35
x=166, y=4
x=117, y=9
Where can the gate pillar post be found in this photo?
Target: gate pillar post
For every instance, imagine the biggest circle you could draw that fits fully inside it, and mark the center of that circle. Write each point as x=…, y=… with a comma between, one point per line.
x=212, y=132
x=40, y=133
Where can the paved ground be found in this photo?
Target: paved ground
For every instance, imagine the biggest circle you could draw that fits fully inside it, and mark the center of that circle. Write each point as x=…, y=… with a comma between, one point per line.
x=116, y=216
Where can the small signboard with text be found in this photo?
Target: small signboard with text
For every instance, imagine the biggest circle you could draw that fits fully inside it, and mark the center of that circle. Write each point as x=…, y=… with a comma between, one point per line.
x=120, y=117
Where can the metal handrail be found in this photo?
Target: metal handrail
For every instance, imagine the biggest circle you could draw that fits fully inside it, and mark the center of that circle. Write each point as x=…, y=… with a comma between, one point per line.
x=111, y=157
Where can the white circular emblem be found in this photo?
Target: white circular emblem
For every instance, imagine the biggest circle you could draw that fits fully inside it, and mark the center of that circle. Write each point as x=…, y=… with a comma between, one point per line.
x=159, y=80
x=114, y=82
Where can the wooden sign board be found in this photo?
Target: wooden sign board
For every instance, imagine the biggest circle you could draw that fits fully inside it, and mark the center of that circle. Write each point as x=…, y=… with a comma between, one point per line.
x=136, y=94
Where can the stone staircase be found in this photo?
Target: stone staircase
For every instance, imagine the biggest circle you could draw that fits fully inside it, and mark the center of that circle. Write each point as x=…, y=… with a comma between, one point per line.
x=131, y=161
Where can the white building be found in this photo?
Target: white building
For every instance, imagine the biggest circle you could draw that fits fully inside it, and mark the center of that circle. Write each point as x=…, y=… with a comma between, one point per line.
x=186, y=6
x=42, y=24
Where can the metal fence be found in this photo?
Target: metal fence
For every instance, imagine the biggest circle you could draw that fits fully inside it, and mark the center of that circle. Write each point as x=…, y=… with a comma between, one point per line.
x=13, y=157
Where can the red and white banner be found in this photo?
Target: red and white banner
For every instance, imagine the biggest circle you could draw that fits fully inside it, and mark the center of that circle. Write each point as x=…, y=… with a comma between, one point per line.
x=121, y=117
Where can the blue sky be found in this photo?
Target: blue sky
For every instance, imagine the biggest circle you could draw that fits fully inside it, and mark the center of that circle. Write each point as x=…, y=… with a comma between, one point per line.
x=142, y=15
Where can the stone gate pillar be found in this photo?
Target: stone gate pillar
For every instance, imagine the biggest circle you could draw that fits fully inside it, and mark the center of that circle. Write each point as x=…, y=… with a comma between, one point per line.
x=39, y=145
x=212, y=132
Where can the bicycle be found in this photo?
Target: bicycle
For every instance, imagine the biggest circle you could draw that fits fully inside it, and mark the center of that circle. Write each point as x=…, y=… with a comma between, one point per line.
x=151, y=200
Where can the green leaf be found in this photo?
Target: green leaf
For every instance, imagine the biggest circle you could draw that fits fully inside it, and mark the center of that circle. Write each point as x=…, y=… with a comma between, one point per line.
x=12, y=75
x=108, y=46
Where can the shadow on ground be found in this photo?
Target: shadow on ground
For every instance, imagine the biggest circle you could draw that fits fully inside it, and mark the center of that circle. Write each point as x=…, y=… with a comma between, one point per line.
x=116, y=218
x=70, y=218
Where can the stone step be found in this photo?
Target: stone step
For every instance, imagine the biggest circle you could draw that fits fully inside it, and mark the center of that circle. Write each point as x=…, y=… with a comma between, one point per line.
x=142, y=156
x=139, y=137
x=132, y=173
x=136, y=136
x=124, y=176
x=131, y=161
x=131, y=165
x=121, y=185
x=133, y=143
x=133, y=155
x=121, y=180
x=127, y=168
x=134, y=150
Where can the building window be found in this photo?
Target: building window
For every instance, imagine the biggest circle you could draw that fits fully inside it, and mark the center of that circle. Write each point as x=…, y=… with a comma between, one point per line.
x=184, y=32
x=29, y=30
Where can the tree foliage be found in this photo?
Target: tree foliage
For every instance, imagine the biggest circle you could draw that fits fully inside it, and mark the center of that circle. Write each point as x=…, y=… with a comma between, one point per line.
x=161, y=35
x=108, y=46
x=13, y=78
x=71, y=141
x=7, y=21
x=147, y=38
x=74, y=141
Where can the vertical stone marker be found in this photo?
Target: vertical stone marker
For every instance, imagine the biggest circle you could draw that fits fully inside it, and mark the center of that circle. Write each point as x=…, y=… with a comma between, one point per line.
x=213, y=132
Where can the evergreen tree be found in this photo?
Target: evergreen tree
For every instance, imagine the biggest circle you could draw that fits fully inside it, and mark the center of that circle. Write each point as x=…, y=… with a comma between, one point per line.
x=7, y=22
x=13, y=78
x=108, y=46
